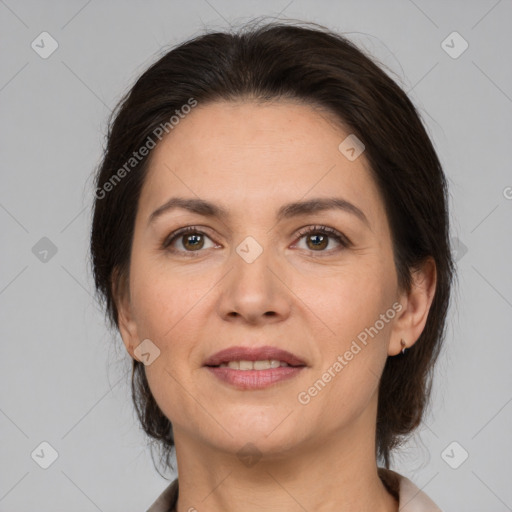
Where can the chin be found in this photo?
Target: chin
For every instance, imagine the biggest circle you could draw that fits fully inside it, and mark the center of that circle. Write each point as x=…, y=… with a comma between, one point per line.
x=246, y=440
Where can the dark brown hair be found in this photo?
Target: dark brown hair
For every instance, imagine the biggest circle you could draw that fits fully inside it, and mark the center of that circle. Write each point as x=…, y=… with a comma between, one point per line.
x=313, y=65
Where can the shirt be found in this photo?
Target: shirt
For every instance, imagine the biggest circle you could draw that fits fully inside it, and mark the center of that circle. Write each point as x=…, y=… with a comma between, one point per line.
x=410, y=498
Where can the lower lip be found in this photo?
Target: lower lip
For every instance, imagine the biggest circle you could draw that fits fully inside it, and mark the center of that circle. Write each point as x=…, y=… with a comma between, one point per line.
x=255, y=379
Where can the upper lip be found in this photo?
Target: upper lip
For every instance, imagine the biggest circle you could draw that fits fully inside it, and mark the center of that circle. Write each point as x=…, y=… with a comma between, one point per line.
x=253, y=354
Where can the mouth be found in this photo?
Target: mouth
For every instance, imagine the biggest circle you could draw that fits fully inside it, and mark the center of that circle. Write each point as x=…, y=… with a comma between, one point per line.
x=253, y=358
x=254, y=365
x=254, y=368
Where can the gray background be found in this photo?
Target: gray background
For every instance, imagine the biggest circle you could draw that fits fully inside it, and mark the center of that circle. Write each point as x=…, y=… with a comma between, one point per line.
x=66, y=382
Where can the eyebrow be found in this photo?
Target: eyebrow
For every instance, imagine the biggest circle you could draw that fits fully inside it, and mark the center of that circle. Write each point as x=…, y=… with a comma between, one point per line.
x=287, y=211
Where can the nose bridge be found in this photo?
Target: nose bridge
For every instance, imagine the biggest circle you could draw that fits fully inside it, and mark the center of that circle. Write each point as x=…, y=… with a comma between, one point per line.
x=251, y=260
x=252, y=289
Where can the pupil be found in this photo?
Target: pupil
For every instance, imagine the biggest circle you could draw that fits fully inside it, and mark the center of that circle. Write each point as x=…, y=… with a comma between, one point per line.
x=320, y=238
x=193, y=240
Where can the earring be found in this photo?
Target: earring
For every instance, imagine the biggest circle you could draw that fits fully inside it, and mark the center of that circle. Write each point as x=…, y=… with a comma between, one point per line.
x=404, y=346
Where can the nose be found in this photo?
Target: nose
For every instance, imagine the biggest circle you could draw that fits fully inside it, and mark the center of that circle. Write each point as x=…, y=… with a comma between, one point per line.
x=254, y=290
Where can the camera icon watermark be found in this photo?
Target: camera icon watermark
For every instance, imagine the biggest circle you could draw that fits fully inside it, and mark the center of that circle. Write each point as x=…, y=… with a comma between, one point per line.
x=352, y=147
x=44, y=455
x=44, y=45
x=459, y=249
x=44, y=250
x=249, y=249
x=147, y=352
x=454, y=45
x=249, y=455
x=454, y=455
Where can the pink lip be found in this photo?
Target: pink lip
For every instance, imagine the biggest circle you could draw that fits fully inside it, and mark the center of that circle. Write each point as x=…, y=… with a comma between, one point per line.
x=255, y=379
x=253, y=354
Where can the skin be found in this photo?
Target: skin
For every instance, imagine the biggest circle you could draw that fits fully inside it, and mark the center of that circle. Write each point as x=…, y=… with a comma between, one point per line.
x=251, y=158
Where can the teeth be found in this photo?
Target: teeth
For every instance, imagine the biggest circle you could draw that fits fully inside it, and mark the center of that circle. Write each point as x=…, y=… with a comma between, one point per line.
x=254, y=365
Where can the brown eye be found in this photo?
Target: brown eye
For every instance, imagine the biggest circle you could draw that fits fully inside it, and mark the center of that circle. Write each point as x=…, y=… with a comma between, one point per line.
x=186, y=240
x=193, y=242
x=317, y=241
x=319, y=237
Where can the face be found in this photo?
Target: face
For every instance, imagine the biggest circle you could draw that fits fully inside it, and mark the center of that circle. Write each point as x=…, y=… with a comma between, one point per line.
x=318, y=283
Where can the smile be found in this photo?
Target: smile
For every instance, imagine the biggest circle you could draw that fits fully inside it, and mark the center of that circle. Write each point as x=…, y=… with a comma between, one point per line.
x=254, y=365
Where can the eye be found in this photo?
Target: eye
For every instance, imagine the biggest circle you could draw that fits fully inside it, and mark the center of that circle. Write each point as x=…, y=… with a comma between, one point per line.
x=318, y=238
x=190, y=238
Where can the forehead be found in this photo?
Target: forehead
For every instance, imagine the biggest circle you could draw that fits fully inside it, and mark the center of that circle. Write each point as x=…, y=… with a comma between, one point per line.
x=246, y=153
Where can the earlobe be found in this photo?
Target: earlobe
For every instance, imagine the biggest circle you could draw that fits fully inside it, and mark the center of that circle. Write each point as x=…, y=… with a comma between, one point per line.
x=126, y=321
x=409, y=324
x=127, y=331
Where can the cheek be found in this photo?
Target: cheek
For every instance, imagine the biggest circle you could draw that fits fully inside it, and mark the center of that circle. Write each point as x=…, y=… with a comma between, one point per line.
x=167, y=314
x=353, y=351
x=170, y=312
x=349, y=299
x=163, y=298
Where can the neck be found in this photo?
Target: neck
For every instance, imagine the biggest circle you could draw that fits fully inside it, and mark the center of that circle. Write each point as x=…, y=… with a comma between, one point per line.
x=334, y=473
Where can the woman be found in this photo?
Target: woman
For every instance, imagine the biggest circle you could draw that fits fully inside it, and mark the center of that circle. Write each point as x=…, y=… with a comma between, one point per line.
x=270, y=237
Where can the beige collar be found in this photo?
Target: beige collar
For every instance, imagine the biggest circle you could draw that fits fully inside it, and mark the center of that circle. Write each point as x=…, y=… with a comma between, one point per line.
x=410, y=498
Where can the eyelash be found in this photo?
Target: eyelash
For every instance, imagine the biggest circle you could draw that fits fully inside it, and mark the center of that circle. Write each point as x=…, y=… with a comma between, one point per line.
x=323, y=230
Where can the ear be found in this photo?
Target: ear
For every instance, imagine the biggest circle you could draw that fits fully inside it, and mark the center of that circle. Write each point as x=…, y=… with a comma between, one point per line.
x=126, y=320
x=411, y=320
